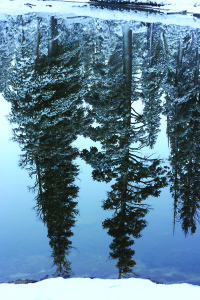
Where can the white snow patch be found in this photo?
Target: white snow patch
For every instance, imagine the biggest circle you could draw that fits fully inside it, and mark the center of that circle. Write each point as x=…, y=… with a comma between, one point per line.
x=77, y=8
x=98, y=289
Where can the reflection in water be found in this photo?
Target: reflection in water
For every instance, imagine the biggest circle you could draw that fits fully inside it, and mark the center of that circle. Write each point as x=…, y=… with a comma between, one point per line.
x=68, y=79
x=183, y=112
x=123, y=133
x=43, y=91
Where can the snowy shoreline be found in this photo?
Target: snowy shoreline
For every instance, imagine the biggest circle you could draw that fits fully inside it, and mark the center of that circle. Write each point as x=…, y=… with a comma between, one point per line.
x=80, y=288
x=171, y=12
x=167, y=6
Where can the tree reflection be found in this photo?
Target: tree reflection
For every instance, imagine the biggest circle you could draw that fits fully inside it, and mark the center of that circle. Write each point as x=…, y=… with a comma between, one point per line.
x=89, y=79
x=46, y=106
x=152, y=73
x=123, y=133
x=182, y=108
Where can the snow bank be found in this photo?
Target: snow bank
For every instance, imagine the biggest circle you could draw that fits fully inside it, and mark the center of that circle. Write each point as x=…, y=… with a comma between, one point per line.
x=82, y=8
x=22, y=6
x=98, y=289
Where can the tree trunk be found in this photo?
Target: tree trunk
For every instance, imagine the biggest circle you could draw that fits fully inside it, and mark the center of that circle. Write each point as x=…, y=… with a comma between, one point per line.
x=53, y=40
x=127, y=56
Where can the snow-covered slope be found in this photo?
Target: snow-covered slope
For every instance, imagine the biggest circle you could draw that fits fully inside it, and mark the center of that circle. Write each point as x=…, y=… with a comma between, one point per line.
x=14, y=6
x=98, y=289
x=170, y=14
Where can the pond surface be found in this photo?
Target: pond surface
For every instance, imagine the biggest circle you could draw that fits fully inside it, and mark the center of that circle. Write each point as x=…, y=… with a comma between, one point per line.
x=100, y=152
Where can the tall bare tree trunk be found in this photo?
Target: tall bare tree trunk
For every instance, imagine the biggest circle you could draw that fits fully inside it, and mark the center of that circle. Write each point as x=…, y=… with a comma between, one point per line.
x=127, y=56
x=53, y=38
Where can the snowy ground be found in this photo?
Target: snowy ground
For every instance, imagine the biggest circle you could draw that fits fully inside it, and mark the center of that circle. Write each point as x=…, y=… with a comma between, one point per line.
x=16, y=6
x=98, y=289
x=173, y=11
x=90, y=289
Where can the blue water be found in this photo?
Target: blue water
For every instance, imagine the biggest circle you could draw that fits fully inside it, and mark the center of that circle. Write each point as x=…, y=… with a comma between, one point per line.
x=160, y=254
x=163, y=253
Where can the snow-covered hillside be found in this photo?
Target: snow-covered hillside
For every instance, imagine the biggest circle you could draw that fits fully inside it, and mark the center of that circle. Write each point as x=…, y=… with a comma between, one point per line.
x=98, y=289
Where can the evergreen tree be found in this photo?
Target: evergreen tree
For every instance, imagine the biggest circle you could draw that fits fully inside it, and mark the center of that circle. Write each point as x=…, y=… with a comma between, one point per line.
x=47, y=109
x=182, y=109
x=122, y=134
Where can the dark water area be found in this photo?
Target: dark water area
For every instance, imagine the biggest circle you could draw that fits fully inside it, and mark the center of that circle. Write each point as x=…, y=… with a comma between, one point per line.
x=100, y=149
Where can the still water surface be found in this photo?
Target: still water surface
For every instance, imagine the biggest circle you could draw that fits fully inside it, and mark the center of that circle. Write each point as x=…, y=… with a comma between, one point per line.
x=104, y=117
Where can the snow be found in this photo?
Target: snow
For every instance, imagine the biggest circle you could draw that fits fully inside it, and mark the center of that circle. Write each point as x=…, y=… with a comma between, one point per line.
x=170, y=12
x=98, y=289
x=16, y=6
x=85, y=288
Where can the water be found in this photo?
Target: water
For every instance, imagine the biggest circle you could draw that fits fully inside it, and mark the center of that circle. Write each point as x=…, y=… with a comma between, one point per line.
x=105, y=120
